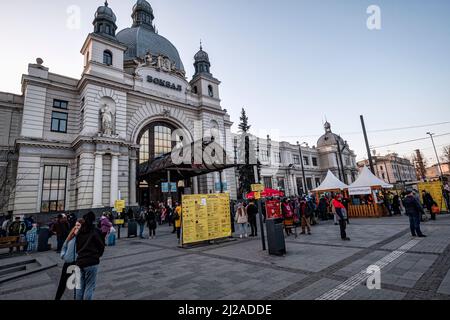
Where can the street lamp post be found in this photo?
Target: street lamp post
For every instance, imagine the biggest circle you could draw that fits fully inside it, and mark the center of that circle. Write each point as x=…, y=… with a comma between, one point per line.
x=437, y=157
x=303, y=166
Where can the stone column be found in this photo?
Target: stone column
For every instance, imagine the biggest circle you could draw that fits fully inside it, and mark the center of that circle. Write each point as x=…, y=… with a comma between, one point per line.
x=195, y=185
x=224, y=179
x=114, y=194
x=98, y=181
x=133, y=182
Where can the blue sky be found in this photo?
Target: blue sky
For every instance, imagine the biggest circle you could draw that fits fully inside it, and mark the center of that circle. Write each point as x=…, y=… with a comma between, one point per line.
x=289, y=63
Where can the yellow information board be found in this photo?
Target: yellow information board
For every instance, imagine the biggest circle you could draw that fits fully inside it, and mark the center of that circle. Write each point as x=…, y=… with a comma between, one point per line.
x=435, y=189
x=119, y=205
x=257, y=187
x=205, y=217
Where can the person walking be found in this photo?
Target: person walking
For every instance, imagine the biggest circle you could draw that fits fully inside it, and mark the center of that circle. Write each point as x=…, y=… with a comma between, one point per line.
x=105, y=225
x=61, y=229
x=5, y=226
x=242, y=220
x=152, y=222
x=252, y=212
x=305, y=214
x=90, y=247
x=69, y=255
x=337, y=204
x=288, y=215
x=177, y=220
x=396, y=205
x=16, y=229
x=428, y=202
x=414, y=210
x=141, y=220
x=322, y=207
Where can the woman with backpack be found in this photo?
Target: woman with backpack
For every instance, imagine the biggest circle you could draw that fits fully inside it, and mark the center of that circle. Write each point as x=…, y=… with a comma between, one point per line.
x=141, y=221
x=69, y=255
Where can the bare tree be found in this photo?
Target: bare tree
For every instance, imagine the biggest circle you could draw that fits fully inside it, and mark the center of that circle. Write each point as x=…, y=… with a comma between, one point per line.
x=420, y=163
x=8, y=182
x=446, y=154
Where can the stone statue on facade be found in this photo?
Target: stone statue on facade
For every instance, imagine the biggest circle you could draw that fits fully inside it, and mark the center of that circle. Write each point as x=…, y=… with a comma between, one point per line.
x=107, y=120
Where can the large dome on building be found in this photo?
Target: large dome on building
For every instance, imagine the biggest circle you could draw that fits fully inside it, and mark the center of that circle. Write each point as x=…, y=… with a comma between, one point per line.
x=329, y=138
x=142, y=37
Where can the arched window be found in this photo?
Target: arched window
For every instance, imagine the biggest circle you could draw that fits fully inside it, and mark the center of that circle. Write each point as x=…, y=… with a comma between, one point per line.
x=155, y=141
x=107, y=58
x=108, y=29
x=210, y=91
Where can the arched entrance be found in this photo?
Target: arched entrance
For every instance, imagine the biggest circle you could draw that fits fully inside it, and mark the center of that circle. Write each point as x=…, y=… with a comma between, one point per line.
x=155, y=141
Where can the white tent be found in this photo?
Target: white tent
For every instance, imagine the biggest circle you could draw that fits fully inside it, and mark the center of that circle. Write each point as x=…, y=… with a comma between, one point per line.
x=331, y=183
x=365, y=182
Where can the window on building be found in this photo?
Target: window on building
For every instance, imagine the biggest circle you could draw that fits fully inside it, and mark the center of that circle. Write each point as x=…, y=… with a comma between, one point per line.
x=383, y=176
x=381, y=168
x=277, y=157
x=59, y=122
x=54, y=189
x=210, y=91
x=78, y=166
x=281, y=185
x=144, y=154
x=107, y=58
x=263, y=155
x=309, y=183
x=314, y=162
x=296, y=159
x=108, y=29
x=195, y=90
x=300, y=186
x=60, y=104
x=347, y=161
x=268, y=182
x=163, y=140
x=306, y=161
x=317, y=182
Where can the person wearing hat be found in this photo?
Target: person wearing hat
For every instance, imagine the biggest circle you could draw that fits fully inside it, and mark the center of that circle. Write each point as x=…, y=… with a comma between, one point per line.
x=414, y=211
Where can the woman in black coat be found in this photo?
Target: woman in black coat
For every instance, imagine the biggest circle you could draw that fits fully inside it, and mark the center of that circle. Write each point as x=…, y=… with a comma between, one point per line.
x=152, y=222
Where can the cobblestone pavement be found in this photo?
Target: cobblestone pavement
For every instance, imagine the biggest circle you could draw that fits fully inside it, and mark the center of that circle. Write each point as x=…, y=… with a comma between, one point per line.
x=315, y=266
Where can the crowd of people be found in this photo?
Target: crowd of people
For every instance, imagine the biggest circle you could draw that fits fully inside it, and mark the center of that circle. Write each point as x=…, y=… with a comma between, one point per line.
x=81, y=242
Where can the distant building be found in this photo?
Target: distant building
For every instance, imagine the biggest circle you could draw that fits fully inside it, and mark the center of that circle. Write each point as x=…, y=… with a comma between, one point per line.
x=281, y=166
x=392, y=168
x=433, y=173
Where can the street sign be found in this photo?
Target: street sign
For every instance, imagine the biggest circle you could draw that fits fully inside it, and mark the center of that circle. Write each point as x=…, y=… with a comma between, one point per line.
x=119, y=205
x=257, y=187
x=118, y=222
x=173, y=187
x=165, y=187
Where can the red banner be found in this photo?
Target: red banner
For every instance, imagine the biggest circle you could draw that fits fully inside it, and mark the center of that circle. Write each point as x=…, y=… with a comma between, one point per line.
x=273, y=209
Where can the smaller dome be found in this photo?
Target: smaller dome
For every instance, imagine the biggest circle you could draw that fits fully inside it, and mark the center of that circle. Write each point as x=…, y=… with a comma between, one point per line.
x=329, y=138
x=142, y=5
x=201, y=56
x=105, y=13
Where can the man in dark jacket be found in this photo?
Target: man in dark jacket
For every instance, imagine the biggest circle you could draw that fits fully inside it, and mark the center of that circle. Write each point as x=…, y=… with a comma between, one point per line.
x=61, y=228
x=90, y=247
x=252, y=212
x=414, y=211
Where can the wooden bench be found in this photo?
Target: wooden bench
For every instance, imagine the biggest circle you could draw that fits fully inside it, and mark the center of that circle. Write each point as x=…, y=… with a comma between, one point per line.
x=11, y=242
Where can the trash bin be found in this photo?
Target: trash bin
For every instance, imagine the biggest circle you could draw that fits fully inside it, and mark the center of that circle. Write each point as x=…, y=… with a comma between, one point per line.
x=275, y=237
x=132, y=228
x=43, y=237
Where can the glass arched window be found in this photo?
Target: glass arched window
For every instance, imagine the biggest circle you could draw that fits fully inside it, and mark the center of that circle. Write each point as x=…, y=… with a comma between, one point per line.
x=107, y=58
x=156, y=141
x=107, y=29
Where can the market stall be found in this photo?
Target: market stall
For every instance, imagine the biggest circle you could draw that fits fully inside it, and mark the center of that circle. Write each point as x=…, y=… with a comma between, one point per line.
x=366, y=195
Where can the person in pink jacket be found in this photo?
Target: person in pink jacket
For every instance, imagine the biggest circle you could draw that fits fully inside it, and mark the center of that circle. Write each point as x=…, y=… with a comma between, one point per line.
x=105, y=225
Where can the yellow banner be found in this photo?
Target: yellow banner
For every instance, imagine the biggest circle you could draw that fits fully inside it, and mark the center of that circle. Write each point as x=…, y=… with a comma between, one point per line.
x=435, y=189
x=205, y=217
x=119, y=205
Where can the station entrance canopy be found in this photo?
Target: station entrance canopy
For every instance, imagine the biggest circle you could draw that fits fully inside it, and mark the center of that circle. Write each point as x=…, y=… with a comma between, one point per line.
x=186, y=162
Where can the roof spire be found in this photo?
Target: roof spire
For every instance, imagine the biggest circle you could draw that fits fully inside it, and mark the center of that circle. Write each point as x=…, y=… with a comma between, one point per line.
x=201, y=46
x=106, y=3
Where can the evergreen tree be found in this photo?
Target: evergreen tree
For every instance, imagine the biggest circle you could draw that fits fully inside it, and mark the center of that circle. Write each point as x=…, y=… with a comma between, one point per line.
x=246, y=173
